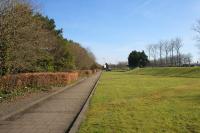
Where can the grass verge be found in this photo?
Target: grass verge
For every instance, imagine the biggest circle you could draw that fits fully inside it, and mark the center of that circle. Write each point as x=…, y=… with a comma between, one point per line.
x=126, y=102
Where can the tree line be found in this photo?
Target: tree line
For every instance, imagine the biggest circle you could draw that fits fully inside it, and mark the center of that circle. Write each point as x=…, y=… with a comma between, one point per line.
x=165, y=53
x=30, y=42
x=168, y=53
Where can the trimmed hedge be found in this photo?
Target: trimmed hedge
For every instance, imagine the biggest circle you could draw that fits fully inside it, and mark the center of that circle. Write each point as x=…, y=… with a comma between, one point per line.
x=83, y=73
x=18, y=81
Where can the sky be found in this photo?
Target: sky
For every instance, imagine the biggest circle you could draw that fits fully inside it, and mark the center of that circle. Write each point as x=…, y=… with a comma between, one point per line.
x=111, y=29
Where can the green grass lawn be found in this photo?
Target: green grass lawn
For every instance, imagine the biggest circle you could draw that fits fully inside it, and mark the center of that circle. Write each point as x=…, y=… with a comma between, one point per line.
x=193, y=72
x=126, y=102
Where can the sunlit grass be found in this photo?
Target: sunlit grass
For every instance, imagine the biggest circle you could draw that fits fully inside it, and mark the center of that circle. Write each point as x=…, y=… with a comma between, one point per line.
x=193, y=72
x=125, y=102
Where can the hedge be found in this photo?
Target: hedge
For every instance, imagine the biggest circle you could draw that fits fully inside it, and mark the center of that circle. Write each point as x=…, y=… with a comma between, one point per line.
x=17, y=81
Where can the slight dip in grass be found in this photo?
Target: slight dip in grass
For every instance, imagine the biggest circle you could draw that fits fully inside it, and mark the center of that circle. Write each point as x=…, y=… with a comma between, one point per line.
x=126, y=102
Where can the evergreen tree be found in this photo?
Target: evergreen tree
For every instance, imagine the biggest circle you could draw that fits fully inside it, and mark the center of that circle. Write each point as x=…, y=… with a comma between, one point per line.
x=137, y=59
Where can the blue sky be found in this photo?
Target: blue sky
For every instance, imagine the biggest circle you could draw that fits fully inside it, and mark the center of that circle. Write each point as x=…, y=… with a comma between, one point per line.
x=113, y=28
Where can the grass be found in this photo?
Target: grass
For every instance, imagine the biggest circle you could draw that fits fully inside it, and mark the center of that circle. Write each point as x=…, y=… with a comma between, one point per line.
x=193, y=72
x=127, y=102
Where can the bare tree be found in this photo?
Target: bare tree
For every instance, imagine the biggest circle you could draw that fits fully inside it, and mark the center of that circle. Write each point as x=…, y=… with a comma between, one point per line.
x=196, y=28
x=154, y=53
x=177, y=46
x=186, y=59
x=167, y=50
x=84, y=59
x=167, y=53
x=161, y=48
x=149, y=49
x=172, y=45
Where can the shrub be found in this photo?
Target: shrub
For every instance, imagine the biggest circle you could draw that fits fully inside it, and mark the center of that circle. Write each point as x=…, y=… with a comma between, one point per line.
x=19, y=81
x=137, y=59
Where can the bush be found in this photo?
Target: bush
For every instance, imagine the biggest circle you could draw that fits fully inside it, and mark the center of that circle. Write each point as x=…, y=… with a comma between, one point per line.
x=3, y=56
x=137, y=59
x=19, y=81
x=83, y=73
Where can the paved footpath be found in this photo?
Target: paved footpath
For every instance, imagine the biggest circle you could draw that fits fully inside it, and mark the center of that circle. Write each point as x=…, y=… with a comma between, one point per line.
x=53, y=115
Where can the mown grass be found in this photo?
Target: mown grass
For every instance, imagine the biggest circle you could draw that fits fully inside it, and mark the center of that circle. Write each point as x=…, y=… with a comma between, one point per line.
x=193, y=72
x=126, y=102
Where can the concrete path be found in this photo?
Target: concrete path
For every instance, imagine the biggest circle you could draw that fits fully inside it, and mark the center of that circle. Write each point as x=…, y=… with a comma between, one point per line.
x=53, y=115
